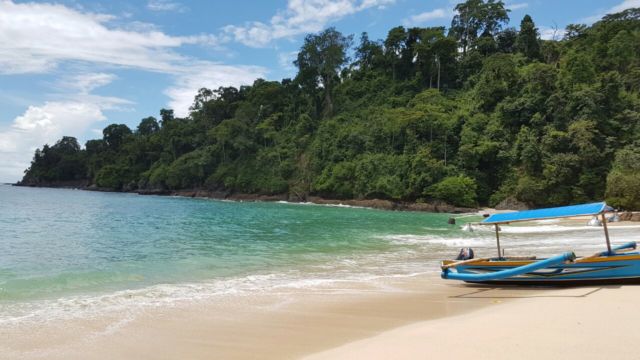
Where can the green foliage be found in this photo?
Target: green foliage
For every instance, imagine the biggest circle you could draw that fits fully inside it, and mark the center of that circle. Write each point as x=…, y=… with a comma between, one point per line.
x=320, y=58
x=368, y=176
x=148, y=126
x=470, y=115
x=189, y=170
x=623, y=182
x=477, y=17
x=496, y=81
x=528, y=42
x=456, y=190
x=114, y=135
x=64, y=161
x=111, y=177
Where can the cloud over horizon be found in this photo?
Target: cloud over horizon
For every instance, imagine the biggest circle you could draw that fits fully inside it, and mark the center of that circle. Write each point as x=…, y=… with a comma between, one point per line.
x=300, y=17
x=37, y=38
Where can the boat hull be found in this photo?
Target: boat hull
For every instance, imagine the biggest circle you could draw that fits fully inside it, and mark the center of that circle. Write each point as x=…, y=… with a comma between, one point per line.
x=562, y=283
x=604, y=270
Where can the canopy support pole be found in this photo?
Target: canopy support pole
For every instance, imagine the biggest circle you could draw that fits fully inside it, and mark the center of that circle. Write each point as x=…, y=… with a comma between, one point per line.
x=498, y=240
x=606, y=233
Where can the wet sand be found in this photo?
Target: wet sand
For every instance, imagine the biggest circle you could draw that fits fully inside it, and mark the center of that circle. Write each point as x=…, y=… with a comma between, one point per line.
x=275, y=326
x=408, y=318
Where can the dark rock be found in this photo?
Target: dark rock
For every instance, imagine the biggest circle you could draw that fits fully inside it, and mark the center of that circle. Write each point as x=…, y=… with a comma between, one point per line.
x=626, y=216
x=153, y=192
x=511, y=203
x=428, y=207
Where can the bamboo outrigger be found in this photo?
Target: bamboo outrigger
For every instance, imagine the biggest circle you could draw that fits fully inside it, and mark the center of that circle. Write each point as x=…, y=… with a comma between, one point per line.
x=619, y=264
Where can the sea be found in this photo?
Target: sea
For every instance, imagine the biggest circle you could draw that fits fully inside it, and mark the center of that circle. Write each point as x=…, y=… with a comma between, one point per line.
x=68, y=253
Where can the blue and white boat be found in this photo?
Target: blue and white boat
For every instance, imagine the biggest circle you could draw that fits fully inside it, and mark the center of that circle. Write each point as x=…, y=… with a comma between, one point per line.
x=618, y=264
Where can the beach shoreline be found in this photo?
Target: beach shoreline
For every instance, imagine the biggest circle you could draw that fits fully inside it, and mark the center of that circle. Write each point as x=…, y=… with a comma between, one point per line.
x=379, y=204
x=299, y=307
x=291, y=324
x=421, y=317
x=574, y=323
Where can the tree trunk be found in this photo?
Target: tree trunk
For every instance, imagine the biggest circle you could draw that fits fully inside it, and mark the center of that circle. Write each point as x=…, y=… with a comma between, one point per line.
x=438, y=60
x=328, y=110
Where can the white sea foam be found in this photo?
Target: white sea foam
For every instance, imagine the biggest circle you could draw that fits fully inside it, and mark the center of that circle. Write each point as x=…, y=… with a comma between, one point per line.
x=536, y=240
x=436, y=240
x=127, y=304
x=340, y=205
x=437, y=228
x=409, y=255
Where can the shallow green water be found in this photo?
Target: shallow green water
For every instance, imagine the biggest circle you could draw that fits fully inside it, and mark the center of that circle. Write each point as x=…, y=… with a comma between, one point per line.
x=57, y=242
x=71, y=253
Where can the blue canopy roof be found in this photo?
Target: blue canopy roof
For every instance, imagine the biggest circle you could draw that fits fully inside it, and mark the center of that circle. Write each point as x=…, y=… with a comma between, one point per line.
x=550, y=213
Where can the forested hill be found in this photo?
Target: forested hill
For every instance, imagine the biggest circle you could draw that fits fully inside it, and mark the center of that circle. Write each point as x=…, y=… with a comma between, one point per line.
x=473, y=114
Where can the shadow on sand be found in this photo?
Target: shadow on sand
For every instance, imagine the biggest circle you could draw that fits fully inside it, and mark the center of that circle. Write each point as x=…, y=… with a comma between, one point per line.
x=514, y=292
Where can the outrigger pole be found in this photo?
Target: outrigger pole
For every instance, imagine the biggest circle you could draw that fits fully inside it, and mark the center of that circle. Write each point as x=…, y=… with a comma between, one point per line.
x=498, y=240
x=606, y=232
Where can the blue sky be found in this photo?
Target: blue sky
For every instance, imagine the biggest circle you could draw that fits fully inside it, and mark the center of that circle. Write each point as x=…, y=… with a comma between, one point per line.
x=72, y=67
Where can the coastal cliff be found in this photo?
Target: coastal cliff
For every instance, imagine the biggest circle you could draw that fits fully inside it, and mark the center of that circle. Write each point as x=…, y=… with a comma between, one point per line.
x=511, y=118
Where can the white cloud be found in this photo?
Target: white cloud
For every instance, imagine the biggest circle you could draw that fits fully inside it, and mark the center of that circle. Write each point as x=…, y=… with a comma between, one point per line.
x=300, y=17
x=165, y=5
x=286, y=59
x=427, y=16
x=517, y=6
x=549, y=33
x=72, y=115
x=624, y=5
x=86, y=82
x=209, y=75
x=36, y=37
x=40, y=125
x=54, y=117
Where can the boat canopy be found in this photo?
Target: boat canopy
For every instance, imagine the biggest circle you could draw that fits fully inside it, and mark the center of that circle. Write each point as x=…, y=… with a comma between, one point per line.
x=550, y=213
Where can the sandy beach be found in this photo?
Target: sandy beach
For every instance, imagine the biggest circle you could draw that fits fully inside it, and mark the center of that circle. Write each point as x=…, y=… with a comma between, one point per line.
x=418, y=317
x=577, y=323
x=382, y=300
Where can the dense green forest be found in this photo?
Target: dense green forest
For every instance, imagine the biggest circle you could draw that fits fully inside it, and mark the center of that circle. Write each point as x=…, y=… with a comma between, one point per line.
x=470, y=115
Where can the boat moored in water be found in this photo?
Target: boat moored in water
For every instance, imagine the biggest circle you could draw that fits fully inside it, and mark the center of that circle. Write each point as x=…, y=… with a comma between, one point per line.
x=619, y=264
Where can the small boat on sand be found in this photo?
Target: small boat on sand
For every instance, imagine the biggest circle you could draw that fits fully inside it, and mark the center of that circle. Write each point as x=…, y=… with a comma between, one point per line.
x=618, y=264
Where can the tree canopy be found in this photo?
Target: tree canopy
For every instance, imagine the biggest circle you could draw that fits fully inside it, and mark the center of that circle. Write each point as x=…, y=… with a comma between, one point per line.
x=470, y=115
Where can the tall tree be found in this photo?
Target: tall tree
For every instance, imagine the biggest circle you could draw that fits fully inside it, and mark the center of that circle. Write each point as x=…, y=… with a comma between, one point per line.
x=148, y=126
x=475, y=17
x=368, y=53
x=394, y=46
x=115, y=134
x=166, y=116
x=527, y=42
x=320, y=59
x=506, y=40
x=435, y=56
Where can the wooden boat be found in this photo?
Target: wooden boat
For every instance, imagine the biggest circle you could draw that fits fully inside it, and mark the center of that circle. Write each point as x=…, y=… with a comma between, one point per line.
x=620, y=264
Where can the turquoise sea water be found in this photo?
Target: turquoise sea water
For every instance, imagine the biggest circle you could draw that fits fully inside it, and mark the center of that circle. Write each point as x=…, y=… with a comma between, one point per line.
x=67, y=249
x=58, y=242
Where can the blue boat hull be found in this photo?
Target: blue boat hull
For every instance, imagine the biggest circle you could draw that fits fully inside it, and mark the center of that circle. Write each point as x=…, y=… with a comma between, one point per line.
x=614, y=269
